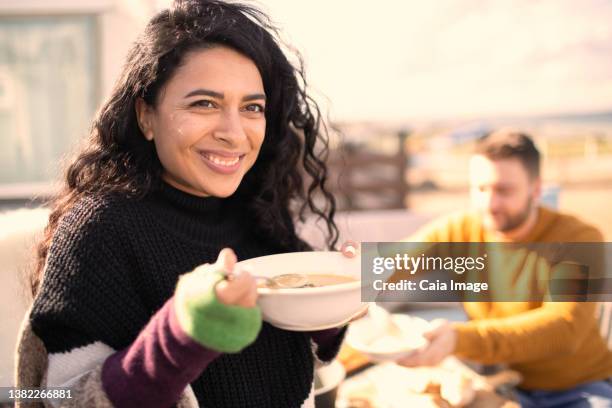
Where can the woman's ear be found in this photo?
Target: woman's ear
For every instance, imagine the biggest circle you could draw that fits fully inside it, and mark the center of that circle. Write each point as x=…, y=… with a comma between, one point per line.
x=144, y=114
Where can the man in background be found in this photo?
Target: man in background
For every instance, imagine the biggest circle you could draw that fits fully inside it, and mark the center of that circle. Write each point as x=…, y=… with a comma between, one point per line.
x=556, y=346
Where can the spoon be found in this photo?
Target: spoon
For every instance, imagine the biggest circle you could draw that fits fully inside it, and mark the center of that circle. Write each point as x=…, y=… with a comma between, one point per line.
x=287, y=280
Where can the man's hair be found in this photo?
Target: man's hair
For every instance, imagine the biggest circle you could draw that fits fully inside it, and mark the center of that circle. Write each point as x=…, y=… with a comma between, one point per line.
x=506, y=144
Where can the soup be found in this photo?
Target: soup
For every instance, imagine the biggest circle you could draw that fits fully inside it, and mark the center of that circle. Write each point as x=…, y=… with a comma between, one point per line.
x=314, y=280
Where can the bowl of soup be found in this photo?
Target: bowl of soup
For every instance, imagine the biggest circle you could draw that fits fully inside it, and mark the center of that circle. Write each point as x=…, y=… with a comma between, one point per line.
x=329, y=294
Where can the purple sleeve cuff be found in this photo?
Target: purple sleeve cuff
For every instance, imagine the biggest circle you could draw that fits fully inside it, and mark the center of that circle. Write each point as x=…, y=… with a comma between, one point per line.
x=328, y=342
x=156, y=368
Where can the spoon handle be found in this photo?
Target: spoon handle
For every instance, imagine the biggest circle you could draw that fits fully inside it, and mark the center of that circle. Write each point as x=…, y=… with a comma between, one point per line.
x=269, y=281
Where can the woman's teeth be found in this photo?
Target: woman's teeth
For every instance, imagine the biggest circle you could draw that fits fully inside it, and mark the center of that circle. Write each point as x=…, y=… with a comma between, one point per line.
x=221, y=161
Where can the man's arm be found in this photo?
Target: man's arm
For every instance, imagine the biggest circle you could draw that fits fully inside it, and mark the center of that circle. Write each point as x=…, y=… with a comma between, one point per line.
x=553, y=329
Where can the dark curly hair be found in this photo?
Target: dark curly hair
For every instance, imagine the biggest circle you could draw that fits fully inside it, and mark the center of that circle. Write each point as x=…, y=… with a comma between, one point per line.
x=117, y=159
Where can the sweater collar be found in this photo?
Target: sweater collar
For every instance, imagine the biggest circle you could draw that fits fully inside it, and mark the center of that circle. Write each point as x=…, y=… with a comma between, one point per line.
x=190, y=202
x=216, y=220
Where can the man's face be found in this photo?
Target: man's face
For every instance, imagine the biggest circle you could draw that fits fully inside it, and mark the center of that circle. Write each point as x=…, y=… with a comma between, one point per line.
x=503, y=192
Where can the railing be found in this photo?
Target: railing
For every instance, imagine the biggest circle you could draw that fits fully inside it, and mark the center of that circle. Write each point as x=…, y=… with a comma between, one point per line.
x=362, y=179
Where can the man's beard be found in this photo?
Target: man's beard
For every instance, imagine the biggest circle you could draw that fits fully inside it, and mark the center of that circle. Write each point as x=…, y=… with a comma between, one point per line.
x=511, y=222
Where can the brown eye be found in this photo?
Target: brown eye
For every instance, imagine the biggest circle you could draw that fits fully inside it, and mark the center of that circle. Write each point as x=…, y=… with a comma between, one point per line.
x=204, y=103
x=255, y=107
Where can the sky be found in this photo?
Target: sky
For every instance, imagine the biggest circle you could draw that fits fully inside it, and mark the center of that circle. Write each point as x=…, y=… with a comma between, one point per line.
x=397, y=60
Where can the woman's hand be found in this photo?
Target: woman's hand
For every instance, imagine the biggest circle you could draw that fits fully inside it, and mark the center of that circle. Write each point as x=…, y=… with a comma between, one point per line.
x=349, y=249
x=216, y=305
x=240, y=288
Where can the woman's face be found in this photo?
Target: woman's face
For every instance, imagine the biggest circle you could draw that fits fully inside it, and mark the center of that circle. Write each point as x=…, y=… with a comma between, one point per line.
x=208, y=123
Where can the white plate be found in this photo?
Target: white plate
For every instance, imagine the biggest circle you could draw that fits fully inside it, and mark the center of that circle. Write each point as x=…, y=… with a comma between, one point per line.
x=364, y=331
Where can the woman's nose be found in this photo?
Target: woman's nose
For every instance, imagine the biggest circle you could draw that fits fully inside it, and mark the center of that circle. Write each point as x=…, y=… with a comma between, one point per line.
x=229, y=129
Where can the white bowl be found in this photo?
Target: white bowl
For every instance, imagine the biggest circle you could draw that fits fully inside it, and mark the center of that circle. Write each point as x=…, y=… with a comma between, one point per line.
x=368, y=337
x=309, y=309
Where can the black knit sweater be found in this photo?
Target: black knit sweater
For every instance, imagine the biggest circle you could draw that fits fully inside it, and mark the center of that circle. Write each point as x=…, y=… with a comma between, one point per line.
x=113, y=263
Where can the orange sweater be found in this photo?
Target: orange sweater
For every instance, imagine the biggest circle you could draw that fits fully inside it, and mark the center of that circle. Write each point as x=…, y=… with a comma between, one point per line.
x=554, y=345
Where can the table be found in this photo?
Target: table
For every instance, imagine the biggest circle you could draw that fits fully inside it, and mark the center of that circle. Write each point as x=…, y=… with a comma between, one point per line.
x=388, y=385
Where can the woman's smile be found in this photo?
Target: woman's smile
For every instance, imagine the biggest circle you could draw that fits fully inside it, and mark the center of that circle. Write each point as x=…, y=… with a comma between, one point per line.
x=221, y=162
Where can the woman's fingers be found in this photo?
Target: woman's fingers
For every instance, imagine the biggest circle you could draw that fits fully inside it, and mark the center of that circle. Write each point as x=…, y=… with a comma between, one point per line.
x=231, y=291
x=349, y=249
x=240, y=291
x=241, y=288
x=226, y=260
x=250, y=300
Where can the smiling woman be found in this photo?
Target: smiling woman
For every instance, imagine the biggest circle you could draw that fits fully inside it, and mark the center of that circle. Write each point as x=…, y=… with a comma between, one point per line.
x=209, y=123
x=200, y=148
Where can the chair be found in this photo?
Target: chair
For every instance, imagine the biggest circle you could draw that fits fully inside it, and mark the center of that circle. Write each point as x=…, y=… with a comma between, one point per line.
x=18, y=232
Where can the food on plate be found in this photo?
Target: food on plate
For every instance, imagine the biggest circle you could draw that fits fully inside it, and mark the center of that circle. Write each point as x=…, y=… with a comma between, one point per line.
x=449, y=385
x=381, y=341
x=455, y=389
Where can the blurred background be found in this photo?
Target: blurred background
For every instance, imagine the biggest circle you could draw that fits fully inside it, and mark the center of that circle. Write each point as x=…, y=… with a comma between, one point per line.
x=408, y=85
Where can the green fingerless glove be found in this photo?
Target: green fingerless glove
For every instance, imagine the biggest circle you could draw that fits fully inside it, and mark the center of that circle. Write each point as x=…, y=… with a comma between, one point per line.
x=221, y=327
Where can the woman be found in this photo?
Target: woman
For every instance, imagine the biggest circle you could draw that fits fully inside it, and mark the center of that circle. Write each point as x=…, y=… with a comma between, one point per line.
x=199, y=148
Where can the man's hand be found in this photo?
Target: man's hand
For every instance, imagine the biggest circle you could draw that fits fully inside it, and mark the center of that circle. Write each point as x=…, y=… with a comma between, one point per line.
x=442, y=339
